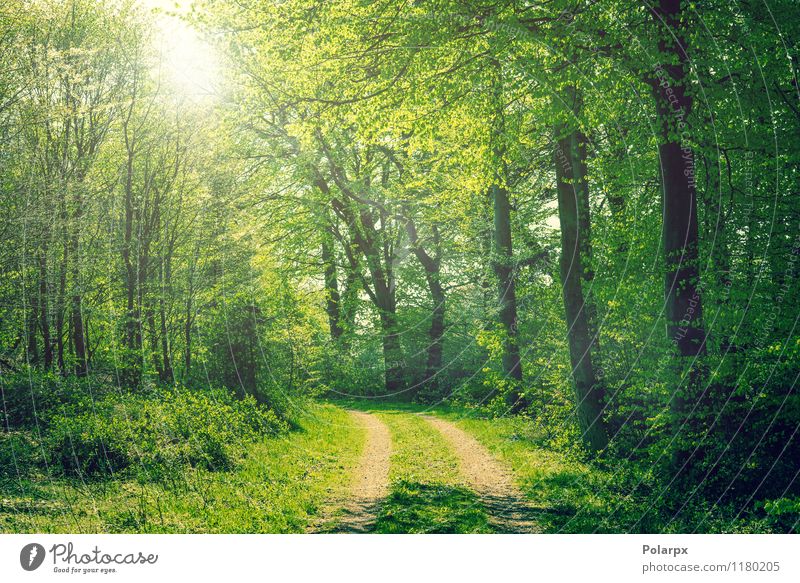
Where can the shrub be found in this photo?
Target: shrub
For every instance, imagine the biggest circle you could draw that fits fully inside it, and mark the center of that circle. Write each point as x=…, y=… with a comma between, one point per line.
x=783, y=513
x=30, y=396
x=157, y=434
x=18, y=455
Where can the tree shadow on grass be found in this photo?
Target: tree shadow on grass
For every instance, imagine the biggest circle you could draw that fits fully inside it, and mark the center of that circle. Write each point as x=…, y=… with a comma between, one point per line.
x=418, y=508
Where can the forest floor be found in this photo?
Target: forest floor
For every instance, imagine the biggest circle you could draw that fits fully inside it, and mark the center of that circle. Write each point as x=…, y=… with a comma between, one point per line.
x=358, y=466
x=280, y=487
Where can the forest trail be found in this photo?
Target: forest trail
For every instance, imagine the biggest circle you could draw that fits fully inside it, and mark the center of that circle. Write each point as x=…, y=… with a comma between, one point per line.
x=370, y=479
x=506, y=505
x=360, y=509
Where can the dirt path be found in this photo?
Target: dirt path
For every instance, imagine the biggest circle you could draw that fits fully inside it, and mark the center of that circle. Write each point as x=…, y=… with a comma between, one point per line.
x=507, y=507
x=370, y=479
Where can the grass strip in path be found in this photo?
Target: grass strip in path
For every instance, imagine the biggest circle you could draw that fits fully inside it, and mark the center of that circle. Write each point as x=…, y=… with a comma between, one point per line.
x=567, y=495
x=428, y=494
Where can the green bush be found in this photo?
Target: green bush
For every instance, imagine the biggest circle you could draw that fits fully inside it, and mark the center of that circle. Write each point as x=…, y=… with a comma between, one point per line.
x=783, y=513
x=30, y=397
x=18, y=455
x=157, y=434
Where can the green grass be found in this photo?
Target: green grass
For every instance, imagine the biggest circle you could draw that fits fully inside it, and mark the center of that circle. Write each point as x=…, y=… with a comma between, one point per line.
x=426, y=494
x=571, y=496
x=610, y=496
x=284, y=484
x=280, y=487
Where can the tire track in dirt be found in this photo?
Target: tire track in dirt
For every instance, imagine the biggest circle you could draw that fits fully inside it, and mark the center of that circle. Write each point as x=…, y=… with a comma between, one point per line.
x=506, y=505
x=370, y=479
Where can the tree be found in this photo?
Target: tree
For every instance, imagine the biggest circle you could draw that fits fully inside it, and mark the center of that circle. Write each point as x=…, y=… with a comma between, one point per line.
x=573, y=211
x=682, y=288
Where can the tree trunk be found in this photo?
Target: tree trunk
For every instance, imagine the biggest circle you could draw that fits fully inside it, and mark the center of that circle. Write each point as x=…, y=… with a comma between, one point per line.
x=682, y=288
x=432, y=266
x=44, y=320
x=435, y=333
x=332, y=299
x=189, y=319
x=78, y=334
x=165, y=277
x=131, y=368
x=367, y=239
x=32, y=355
x=573, y=212
x=507, y=297
x=62, y=284
x=78, y=337
x=392, y=353
x=348, y=306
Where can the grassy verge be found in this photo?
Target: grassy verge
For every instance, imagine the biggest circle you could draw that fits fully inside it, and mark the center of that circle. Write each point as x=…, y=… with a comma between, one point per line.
x=278, y=487
x=572, y=496
x=426, y=492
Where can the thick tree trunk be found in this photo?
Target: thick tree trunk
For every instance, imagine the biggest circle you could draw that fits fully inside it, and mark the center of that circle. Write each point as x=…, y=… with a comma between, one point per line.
x=507, y=297
x=573, y=212
x=682, y=288
x=348, y=306
x=436, y=331
x=394, y=365
x=367, y=239
x=385, y=301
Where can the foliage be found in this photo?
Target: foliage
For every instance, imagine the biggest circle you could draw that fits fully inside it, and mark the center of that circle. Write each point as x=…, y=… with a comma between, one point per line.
x=157, y=435
x=101, y=432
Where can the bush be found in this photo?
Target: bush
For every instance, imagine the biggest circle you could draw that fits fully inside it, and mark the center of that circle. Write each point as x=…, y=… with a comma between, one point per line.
x=158, y=434
x=30, y=397
x=18, y=455
x=783, y=513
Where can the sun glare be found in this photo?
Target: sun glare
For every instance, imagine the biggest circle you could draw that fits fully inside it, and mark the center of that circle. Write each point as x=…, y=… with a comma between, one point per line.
x=188, y=63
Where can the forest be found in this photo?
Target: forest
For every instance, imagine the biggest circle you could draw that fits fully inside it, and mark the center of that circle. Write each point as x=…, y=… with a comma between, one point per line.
x=399, y=266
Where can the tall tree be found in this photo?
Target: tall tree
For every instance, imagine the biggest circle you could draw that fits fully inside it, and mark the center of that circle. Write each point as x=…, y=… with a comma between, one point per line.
x=372, y=236
x=573, y=212
x=682, y=289
x=503, y=251
x=432, y=266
